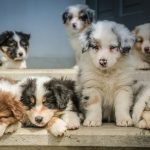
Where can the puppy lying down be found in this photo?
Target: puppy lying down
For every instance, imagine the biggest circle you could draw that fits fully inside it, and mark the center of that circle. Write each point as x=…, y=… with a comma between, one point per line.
x=51, y=103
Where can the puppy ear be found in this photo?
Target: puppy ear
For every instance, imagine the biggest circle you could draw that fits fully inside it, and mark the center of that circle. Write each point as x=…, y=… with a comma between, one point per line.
x=85, y=38
x=65, y=16
x=4, y=36
x=125, y=37
x=62, y=96
x=91, y=15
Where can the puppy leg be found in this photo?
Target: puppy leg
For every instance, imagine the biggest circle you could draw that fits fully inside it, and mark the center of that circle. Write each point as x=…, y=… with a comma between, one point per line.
x=141, y=124
x=72, y=120
x=57, y=126
x=123, y=103
x=91, y=104
x=146, y=117
x=3, y=127
x=143, y=66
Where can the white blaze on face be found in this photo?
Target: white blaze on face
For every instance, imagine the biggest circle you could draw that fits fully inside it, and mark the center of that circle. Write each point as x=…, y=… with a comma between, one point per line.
x=105, y=38
x=21, y=53
x=39, y=110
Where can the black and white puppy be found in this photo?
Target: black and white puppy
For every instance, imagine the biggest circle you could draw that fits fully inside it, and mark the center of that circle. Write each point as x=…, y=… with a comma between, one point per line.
x=14, y=47
x=50, y=102
x=76, y=19
x=103, y=77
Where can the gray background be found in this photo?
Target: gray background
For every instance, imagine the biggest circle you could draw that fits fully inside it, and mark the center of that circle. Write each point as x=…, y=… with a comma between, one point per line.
x=49, y=45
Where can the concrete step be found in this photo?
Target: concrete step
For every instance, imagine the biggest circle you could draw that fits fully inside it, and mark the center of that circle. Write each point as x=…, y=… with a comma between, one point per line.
x=107, y=137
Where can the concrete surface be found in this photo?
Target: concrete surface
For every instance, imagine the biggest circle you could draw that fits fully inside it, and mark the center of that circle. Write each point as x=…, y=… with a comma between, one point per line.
x=107, y=137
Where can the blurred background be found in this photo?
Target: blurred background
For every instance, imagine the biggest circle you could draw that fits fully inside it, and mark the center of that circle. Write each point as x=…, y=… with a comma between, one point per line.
x=49, y=44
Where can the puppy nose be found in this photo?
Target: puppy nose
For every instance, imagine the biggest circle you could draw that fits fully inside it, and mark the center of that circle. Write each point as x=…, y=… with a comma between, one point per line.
x=147, y=49
x=74, y=25
x=20, y=54
x=38, y=119
x=103, y=62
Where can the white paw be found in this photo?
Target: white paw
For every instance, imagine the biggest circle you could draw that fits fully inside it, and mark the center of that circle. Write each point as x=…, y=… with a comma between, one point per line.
x=143, y=65
x=141, y=124
x=92, y=123
x=2, y=129
x=58, y=128
x=125, y=122
x=72, y=120
x=13, y=127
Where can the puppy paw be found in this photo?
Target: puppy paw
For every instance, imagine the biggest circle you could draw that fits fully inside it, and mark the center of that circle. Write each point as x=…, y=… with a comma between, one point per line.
x=58, y=128
x=2, y=129
x=73, y=124
x=143, y=66
x=126, y=122
x=92, y=123
x=142, y=124
x=13, y=127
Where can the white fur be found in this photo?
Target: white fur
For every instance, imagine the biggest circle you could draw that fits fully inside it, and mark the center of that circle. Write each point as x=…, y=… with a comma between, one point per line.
x=3, y=127
x=108, y=88
x=141, y=109
x=58, y=128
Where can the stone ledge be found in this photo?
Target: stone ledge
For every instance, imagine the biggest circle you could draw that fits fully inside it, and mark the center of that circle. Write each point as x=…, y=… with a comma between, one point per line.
x=106, y=136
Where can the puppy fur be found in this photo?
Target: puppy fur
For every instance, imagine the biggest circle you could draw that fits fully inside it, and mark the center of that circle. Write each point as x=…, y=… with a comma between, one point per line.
x=76, y=19
x=141, y=49
x=50, y=102
x=14, y=47
x=11, y=109
x=103, y=76
x=141, y=108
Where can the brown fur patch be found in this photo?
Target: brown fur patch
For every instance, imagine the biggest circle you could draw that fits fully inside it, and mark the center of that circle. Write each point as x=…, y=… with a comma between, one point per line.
x=95, y=100
x=11, y=109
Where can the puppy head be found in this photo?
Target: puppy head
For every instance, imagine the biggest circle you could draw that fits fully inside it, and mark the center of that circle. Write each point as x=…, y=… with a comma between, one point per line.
x=78, y=17
x=105, y=45
x=34, y=95
x=14, y=45
x=142, y=43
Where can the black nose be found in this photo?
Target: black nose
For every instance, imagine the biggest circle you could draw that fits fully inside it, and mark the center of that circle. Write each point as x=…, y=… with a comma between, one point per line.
x=103, y=62
x=20, y=54
x=74, y=25
x=147, y=49
x=38, y=119
x=126, y=49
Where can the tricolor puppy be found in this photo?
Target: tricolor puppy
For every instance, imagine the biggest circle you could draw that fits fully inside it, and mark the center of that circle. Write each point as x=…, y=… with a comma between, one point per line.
x=14, y=47
x=11, y=109
x=76, y=19
x=141, y=50
x=103, y=75
x=50, y=103
x=141, y=108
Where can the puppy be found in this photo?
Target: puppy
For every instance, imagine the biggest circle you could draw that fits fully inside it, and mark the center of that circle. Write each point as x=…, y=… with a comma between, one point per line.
x=141, y=108
x=141, y=49
x=103, y=77
x=51, y=103
x=14, y=47
x=11, y=109
x=76, y=19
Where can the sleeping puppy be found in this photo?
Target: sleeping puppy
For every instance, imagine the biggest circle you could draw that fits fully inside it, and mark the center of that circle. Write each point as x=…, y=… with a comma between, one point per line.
x=76, y=19
x=11, y=109
x=14, y=47
x=50, y=103
x=141, y=108
x=141, y=49
x=104, y=78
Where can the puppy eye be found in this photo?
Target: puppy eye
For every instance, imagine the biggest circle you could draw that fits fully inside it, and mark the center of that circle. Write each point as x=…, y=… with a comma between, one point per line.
x=23, y=43
x=139, y=39
x=112, y=47
x=84, y=17
x=70, y=17
x=95, y=47
x=11, y=43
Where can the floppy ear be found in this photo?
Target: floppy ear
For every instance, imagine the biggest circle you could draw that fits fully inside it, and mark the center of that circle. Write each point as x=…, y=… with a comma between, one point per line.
x=85, y=38
x=91, y=15
x=125, y=37
x=4, y=36
x=65, y=16
x=62, y=95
